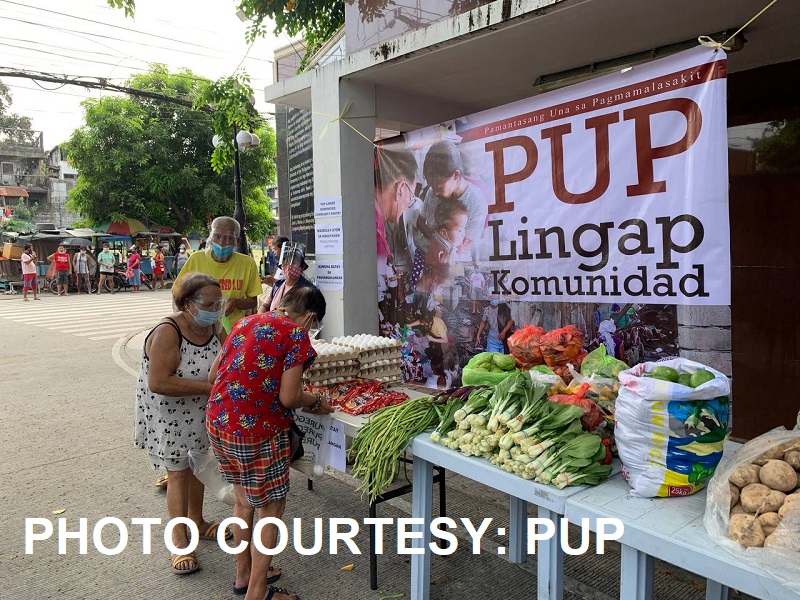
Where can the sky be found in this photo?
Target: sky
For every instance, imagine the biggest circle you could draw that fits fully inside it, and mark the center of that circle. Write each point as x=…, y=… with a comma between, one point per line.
x=88, y=38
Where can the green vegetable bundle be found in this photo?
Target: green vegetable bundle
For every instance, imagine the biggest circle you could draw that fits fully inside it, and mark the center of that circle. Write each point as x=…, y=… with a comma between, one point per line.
x=488, y=368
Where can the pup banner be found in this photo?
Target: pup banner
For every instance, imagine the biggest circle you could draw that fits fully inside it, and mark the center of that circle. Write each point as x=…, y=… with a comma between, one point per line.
x=613, y=190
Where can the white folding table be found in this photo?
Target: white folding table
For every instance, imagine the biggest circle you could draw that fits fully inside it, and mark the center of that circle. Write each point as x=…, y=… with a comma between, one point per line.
x=550, y=500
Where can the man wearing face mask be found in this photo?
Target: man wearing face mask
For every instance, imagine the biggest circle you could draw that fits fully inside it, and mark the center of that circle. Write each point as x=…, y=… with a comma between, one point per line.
x=490, y=323
x=237, y=274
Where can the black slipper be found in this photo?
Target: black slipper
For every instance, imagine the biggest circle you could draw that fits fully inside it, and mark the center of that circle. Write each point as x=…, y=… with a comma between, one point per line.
x=241, y=591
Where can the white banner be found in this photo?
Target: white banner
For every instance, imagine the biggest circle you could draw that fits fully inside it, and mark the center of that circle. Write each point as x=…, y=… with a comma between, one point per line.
x=612, y=190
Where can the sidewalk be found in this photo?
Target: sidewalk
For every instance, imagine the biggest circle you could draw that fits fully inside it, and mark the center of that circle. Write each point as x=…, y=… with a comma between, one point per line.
x=462, y=575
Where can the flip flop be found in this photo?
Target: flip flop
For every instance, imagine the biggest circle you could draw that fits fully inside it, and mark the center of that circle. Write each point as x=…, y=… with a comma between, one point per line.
x=241, y=591
x=178, y=559
x=276, y=590
x=211, y=532
x=162, y=483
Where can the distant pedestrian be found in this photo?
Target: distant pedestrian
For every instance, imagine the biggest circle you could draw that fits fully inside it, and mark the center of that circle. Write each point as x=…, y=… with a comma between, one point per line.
x=202, y=245
x=29, y=279
x=63, y=269
x=83, y=264
x=159, y=267
x=276, y=274
x=181, y=259
x=134, y=272
x=106, y=261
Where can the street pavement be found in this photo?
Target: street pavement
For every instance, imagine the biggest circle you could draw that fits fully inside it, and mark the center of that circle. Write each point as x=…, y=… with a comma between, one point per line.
x=67, y=381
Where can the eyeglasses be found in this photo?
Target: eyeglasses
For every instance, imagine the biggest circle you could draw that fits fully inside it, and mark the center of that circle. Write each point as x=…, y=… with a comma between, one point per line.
x=223, y=237
x=408, y=185
x=213, y=306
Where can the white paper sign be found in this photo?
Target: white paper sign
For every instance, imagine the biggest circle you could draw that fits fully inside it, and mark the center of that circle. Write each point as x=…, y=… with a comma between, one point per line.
x=316, y=430
x=330, y=275
x=327, y=206
x=336, y=447
x=329, y=238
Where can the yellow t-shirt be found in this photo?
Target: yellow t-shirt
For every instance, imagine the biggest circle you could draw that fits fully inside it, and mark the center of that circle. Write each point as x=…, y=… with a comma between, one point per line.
x=237, y=277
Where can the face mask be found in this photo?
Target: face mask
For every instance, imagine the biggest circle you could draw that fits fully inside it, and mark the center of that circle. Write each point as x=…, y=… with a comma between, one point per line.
x=222, y=252
x=206, y=318
x=292, y=272
x=83, y=251
x=494, y=302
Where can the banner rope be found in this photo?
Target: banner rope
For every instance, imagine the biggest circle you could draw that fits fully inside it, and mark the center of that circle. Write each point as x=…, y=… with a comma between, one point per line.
x=711, y=43
x=344, y=119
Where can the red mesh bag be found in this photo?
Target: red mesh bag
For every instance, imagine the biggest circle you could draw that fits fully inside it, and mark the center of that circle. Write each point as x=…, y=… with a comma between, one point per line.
x=563, y=370
x=592, y=417
x=560, y=345
x=524, y=346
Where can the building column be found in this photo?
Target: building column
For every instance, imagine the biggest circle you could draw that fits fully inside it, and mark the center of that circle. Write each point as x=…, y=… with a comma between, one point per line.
x=343, y=166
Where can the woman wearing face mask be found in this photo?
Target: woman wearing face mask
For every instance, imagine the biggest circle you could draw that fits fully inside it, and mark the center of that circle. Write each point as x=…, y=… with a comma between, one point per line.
x=292, y=265
x=257, y=385
x=171, y=397
x=490, y=323
x=83, y=265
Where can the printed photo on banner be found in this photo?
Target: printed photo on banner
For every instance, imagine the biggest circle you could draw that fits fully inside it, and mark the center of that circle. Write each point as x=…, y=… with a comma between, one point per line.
x=603, y=205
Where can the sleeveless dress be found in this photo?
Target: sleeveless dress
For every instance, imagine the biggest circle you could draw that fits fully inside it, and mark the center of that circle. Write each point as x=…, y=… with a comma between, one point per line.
x=166, y=426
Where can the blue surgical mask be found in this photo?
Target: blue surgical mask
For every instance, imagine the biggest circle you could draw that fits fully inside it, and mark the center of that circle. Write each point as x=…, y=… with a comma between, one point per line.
x=206, y=318
x=494, y=302
x=222, y=252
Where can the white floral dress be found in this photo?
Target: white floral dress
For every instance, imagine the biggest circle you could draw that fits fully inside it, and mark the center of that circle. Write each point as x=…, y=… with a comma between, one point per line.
x=168, y=427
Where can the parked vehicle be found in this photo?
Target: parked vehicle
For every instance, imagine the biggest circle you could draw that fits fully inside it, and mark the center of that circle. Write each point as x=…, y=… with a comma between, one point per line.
x=121, y=282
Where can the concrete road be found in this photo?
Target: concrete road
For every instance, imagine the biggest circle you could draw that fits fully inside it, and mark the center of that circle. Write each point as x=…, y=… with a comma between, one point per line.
x=66, y=405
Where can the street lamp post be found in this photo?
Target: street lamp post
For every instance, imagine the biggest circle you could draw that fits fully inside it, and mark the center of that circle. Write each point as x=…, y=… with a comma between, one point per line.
x=242, y=140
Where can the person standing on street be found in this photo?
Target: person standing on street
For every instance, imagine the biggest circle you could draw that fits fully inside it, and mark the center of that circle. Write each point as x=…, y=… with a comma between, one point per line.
x=63, y=269
x=236, y=273
x=490, y=323
x=134, y=268
x=275, y=249
x=29, y=279
x=106, y=261
x=83, y=264
x=180, y=259
x=159, y=267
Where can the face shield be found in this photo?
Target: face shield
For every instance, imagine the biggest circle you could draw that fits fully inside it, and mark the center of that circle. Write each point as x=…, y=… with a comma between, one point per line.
x=292, y=254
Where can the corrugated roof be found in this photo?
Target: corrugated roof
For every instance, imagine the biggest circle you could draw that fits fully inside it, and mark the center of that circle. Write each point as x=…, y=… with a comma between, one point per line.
x=13, y=191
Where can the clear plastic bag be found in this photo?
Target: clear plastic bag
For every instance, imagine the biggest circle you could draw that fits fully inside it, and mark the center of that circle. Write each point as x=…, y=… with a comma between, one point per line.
x=782, y=560
x=316, y=433
x=205, y=467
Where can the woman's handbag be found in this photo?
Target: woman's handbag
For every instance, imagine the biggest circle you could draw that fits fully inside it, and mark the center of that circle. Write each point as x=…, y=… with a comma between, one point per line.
x=129, y=273
x=296, y=449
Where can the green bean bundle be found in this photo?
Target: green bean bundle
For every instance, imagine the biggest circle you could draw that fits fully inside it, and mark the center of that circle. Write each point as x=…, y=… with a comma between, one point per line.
x=382, y=441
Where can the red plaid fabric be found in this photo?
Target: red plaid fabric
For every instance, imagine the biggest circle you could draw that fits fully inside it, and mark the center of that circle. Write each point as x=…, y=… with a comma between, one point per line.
x=259, y=465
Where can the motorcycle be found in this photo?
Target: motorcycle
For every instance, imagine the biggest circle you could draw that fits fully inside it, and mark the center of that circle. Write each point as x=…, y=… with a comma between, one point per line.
x=121, y=282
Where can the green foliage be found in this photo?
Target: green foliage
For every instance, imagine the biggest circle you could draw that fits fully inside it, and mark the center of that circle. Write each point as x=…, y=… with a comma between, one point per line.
x=315, y=20
x=14, y=128
x=128, y=6
x=152, y=160
x=778, y=150
x=23, y=218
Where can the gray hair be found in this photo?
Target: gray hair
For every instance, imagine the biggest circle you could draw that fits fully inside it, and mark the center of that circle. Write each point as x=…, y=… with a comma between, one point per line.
x=224, y=223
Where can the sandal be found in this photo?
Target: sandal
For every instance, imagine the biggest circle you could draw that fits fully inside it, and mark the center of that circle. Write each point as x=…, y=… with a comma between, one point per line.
x=241, y=591
x=179, y=559
x=276, y=590
x=162, y=483
x=211, y=532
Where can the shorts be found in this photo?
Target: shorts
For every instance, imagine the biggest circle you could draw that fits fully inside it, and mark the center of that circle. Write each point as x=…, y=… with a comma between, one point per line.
x=62, y=277
x=259, y=465
x=109, y=273
x=29, y=281
x=170, y=463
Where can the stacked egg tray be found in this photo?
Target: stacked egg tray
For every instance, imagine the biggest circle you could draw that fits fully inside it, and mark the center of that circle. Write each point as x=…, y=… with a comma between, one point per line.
x=378, y=357
x=334, y=364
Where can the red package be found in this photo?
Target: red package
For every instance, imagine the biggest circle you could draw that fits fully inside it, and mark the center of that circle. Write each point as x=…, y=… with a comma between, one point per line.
x=592, y=417
x=524, y=346
x=560, y=345
x=563, y=370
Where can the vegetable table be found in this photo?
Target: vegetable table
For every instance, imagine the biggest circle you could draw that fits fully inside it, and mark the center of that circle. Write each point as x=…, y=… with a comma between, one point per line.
x=672, y=530
x=550, y=500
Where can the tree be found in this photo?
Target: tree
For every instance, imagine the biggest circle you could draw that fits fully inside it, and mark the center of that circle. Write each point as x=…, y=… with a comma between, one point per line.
x=14, y=128
x=151, y=160
x=777, y=150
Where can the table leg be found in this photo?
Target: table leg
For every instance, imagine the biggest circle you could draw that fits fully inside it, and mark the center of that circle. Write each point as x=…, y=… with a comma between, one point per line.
x=518, y=531
x=716, y=591
x=550, y=561
x=636, y=576
x=373, y=558
x=422, y=508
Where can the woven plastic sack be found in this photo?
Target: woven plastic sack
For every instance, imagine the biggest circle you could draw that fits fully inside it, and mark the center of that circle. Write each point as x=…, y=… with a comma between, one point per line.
x=670, y=436
x=782, y=560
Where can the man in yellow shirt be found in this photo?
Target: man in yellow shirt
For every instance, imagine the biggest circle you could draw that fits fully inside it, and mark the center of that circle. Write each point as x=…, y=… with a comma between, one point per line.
x=237, y=274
